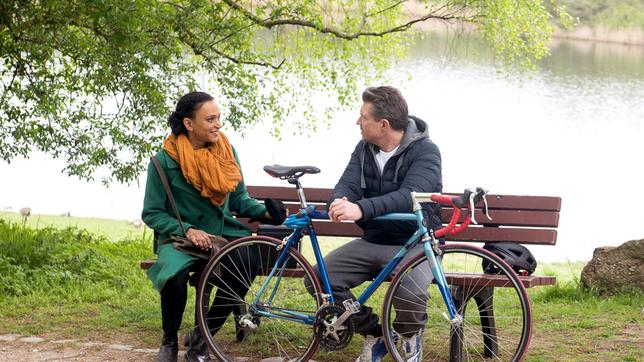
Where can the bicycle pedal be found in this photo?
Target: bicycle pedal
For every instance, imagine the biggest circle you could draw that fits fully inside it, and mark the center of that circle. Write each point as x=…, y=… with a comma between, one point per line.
x=352, y=306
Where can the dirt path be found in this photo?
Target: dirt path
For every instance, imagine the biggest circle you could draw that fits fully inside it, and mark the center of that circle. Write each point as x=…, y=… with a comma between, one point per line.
x=15, y=347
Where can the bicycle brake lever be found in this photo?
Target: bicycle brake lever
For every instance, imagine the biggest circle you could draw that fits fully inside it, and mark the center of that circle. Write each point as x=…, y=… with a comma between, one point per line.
x=472, y=196
x=480, y=194
x=486, y=211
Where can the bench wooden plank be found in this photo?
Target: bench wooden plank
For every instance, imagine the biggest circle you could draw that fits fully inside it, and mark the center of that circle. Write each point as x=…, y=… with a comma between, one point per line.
x=147, y=264
x=288, y=193
x=473, y=233
x=517, y=235
x=531, y=218
x=464, y=279
x=453, y=278
x=320, y=195
x=536, y=218
x=492, y=280
x=545, y=203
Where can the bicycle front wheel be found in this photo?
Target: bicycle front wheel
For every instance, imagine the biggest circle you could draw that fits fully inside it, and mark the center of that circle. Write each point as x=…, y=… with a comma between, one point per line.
x=240, y=321
x=494, y=306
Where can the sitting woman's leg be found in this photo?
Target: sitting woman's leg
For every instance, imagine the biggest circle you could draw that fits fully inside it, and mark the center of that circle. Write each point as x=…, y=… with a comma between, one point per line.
x=230, y=291
x=173, y=302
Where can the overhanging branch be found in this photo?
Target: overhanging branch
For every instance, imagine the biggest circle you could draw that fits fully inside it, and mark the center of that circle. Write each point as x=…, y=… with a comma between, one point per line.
x=197, y=49
x=334, y=31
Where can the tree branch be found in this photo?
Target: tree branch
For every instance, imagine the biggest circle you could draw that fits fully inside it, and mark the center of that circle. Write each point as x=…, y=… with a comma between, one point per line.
x=333, y=31
x=198, y=51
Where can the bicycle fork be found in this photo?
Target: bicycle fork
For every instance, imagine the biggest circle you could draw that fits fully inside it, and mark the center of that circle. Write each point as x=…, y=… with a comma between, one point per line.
x=430, y=247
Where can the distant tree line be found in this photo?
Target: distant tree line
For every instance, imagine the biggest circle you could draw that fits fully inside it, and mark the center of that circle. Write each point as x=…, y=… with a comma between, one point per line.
x=616, y=14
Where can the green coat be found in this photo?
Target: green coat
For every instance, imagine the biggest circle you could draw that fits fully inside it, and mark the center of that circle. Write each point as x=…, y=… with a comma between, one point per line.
x=195, y=210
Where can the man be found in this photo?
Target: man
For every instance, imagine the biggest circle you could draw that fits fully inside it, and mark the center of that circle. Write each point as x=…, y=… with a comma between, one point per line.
x=394, y=157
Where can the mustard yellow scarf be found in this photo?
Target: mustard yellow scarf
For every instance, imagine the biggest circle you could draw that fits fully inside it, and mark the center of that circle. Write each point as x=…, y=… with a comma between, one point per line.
x=212, y=170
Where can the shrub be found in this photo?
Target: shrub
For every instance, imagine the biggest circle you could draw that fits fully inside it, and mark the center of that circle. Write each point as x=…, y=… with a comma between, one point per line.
x=57, y=258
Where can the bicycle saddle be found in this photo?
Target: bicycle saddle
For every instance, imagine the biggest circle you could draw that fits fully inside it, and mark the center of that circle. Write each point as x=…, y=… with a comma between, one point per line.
x=289, y=171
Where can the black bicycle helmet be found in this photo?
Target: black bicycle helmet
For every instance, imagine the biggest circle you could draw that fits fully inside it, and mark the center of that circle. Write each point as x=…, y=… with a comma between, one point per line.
x=516, y=255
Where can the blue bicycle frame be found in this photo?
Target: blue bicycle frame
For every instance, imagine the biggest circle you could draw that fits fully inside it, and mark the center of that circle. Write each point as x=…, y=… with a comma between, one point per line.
x=302, y=222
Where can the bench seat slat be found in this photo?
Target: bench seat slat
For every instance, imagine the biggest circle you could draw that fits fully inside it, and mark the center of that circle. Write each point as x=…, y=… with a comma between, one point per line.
x=491, y=280
x=469, y=279
x=147, y=264
x=459, y=279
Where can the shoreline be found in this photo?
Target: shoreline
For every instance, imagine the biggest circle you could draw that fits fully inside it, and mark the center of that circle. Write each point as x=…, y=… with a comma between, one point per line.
x=630, y=37
x=599, y=34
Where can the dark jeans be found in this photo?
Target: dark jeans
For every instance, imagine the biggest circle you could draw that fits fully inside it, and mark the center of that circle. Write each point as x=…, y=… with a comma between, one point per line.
x=174, y=294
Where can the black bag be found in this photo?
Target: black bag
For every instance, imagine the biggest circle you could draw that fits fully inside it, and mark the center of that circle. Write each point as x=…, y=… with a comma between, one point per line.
x=182, y=243
x=185, y=245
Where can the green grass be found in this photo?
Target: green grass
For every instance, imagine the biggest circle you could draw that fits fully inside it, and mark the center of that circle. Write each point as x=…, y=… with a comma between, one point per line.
x=64, y=282
x=112, y=229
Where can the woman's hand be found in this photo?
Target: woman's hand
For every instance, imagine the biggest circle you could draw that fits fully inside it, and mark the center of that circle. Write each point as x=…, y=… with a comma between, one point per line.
x=199, y=238
x=276, y=212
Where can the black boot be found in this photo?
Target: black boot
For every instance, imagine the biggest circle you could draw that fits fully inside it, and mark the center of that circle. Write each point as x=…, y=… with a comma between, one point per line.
x=169, y=349
x=197, y=350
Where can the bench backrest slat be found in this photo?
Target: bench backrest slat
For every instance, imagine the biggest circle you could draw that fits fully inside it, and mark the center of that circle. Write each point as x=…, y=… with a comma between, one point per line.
x=504, y=217
x=499, y=217
x=320, y=195
x=521, y=219
x=473, y=233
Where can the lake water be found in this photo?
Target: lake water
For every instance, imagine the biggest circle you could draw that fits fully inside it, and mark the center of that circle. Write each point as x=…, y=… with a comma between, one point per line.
x=574, y=129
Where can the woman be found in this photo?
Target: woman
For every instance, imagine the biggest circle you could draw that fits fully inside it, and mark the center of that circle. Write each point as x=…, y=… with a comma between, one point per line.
x=206, y=181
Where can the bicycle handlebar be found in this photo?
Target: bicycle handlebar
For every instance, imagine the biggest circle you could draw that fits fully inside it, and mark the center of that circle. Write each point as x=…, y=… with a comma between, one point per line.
x=467, y=200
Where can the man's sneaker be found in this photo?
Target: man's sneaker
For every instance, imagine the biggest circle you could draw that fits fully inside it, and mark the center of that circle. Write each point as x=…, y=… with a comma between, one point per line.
x=373, y=349
x=413, y=347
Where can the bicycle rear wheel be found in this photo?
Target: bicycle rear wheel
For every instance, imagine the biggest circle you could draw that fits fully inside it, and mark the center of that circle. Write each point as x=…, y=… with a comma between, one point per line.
x=231, y=282
x=496, y=311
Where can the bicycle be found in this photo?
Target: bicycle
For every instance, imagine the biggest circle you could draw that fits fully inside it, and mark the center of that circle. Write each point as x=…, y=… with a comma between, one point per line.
x=281, y=319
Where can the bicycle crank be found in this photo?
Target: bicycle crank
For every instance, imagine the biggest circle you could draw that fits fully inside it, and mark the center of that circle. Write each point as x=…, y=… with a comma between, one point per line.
x=332, y=337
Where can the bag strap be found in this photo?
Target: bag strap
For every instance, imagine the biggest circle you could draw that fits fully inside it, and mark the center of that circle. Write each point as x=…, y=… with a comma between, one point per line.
x=166, y=186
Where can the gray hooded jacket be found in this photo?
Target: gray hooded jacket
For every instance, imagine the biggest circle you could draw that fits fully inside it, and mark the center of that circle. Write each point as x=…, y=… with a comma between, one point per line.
x=416, y=166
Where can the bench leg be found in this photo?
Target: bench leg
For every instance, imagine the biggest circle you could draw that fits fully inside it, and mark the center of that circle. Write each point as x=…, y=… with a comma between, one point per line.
x=484, y=298
x=485, y=301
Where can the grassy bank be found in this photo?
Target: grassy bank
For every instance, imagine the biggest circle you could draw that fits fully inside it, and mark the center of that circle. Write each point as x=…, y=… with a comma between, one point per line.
x=70, y=283
x=112, y=229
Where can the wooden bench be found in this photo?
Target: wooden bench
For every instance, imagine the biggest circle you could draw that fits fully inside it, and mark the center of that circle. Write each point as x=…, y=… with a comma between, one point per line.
x=529, y=220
